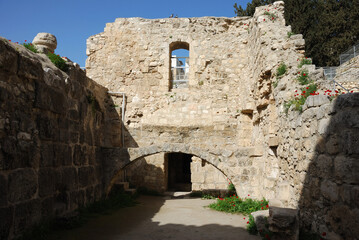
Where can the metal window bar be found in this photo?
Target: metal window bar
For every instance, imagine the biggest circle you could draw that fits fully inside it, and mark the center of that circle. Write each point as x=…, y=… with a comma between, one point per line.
x=329, y=72
x=349, y=54
x=180, y=72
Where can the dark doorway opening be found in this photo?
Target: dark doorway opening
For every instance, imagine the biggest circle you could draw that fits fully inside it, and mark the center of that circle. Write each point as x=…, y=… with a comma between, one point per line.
x=179, y=171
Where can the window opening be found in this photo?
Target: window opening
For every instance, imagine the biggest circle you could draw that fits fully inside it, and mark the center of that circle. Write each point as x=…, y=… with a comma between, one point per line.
x=179, y=55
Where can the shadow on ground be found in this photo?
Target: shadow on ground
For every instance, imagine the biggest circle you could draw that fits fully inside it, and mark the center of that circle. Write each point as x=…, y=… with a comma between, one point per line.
x=163, y=218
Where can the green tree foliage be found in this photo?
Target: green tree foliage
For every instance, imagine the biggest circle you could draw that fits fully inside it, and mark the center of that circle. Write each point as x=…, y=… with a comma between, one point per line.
x=329, y=27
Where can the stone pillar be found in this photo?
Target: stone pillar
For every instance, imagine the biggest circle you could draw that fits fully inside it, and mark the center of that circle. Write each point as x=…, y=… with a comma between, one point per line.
x=45, y=42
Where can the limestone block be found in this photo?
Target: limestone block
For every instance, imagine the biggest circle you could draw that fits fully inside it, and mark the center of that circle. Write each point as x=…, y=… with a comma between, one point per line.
x=284, y=223
x=248, y=108
x=260, y=218
x=45, y=42
x=316, y=101
x=23, y=185
x=329, y=190
x=273, y=141
x=323, y=126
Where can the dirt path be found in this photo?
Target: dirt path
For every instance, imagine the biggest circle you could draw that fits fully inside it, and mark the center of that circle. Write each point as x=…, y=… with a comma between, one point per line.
x=160, y=218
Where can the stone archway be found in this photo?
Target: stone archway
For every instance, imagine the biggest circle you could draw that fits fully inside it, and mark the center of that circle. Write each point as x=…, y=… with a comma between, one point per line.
x=125, y=156
x=241, y=166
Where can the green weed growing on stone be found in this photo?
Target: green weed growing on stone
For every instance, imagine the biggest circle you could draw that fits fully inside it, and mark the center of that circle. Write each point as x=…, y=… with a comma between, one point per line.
x=235, y=204
x=58, y=61
x=300, y=97
x=30, y=46
x=289, y=34
x=304, y=61
x=281, y=70
x=303, y=77
x=251, y=226
x=271, y=16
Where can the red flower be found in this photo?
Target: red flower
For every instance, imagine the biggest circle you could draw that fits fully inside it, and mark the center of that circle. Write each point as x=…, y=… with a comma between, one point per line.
x=324, y=234
x=248, y=195
x=294, y=91
x=244, y=218
x=303, y=74
x=9, y=40
x=264, y=19
x=248, y=222
x=303, y=91
x=307, y=87
x=262, y=208
x=267, y=206
x=25, y=40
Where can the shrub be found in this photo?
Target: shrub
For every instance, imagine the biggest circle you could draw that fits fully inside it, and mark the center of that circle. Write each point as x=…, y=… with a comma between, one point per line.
x=304, y=61
x=299, y=99
x=31, y=47
x=303, y=77
x=289, y=34
x=271, y=16
x=234, y=204
x=251, y=226
x=58, y=61
x=282, y=69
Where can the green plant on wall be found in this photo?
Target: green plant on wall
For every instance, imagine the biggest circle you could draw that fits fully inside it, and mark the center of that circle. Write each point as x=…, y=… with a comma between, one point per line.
x=303, y=77
x=289, y=34
x=300, y=98
x=281, y=70
x=58, y=61
x=30, y=46
x=304, y=61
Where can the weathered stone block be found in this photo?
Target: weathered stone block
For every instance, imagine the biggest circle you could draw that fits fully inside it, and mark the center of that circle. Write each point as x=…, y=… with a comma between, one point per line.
x=48, y=177
x=284, y=223
x=3, y=191
x=329, y=190
x=260, y=218
x=26, y=214
x=86, y=176
x=48, y=128
x=22, y=185
x=30, y=68
x=6, y=216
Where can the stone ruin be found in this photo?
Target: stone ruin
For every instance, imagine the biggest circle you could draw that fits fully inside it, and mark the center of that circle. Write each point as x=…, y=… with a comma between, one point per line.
x=67, y=138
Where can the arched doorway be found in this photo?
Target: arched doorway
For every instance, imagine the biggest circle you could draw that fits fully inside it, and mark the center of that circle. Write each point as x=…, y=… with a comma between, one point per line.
x=178, y=171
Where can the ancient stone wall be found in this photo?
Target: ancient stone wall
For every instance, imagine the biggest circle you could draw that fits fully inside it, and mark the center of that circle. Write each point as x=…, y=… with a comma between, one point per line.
x=233, y=110
x=154, y=112
x=311, y=154
x=52, y=125
x=347, y=75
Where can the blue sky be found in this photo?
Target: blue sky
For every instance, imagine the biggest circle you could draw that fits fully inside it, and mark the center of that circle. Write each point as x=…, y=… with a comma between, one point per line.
x=72, y=22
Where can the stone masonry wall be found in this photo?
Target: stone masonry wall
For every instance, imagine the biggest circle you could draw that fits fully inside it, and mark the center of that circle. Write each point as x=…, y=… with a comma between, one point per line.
x=347, y=74
x=311, y=154
x=235, y=105
x=52, y=125
x=206, y=112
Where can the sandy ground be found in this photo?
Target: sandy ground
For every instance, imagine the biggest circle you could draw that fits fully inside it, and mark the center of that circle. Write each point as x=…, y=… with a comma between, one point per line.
x=157, y=218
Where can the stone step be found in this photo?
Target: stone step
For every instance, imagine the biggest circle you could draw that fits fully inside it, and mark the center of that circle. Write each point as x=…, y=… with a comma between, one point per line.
x=126, y=185
x=131, y=191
